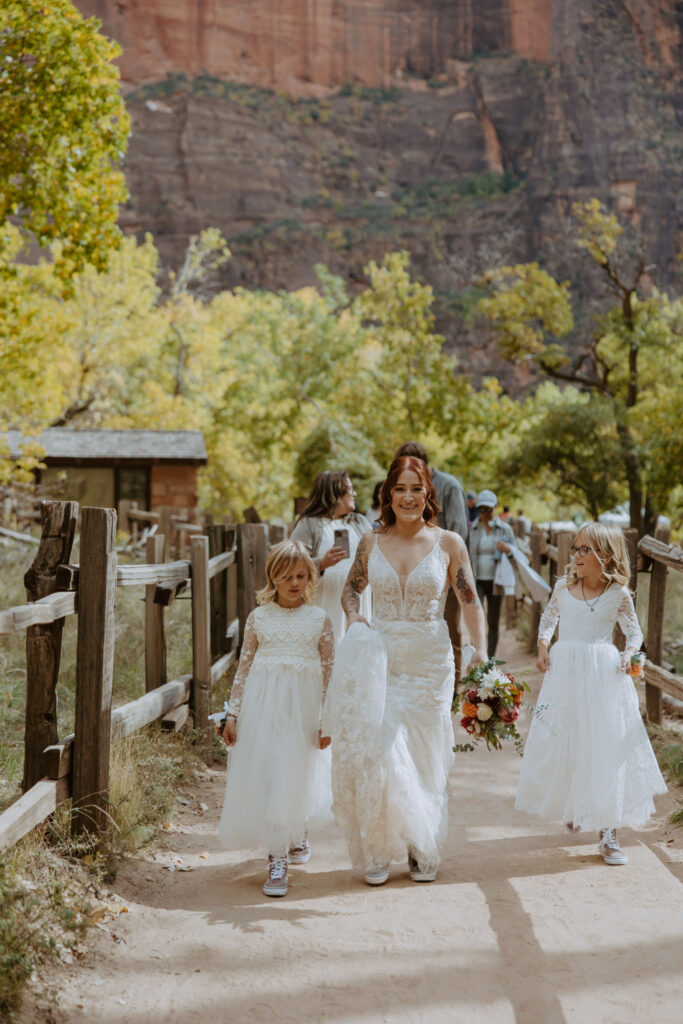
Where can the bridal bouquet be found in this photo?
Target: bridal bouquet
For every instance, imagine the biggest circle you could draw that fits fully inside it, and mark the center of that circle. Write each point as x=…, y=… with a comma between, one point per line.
x=490, y=706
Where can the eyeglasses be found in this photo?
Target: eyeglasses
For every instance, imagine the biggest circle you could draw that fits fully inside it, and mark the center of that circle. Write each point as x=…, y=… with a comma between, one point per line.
x=581, y=551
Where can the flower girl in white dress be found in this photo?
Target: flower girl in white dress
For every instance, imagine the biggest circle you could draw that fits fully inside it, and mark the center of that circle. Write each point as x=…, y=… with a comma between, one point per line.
x=588, y=759
x=278, y=776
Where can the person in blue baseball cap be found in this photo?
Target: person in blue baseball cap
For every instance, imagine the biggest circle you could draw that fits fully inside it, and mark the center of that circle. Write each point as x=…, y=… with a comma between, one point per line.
x=490, y=538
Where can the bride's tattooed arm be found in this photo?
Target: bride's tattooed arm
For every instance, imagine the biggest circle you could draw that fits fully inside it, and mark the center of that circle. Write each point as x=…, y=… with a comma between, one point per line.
x=357, y=579
x=465, y=587
x=462, y=580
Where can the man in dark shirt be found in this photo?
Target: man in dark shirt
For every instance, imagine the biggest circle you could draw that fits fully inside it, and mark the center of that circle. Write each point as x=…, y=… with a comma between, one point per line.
x=453, y=516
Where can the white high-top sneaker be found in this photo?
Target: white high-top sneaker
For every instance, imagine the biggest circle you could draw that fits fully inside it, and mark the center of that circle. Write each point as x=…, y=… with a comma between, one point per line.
x=611, y=852
x=277, y=881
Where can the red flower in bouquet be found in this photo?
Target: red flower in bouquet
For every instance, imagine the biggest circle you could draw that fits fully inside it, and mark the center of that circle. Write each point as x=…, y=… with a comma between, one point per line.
x=491, y=706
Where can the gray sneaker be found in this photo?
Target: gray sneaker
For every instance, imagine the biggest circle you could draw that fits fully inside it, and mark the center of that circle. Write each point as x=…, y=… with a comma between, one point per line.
x=300, y=853
x=377, y=875
x=428, y=875
x=609, y=847
x=277, y=881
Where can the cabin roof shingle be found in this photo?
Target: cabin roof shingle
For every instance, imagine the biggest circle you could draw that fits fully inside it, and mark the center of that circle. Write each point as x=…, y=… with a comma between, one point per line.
x=115, y=445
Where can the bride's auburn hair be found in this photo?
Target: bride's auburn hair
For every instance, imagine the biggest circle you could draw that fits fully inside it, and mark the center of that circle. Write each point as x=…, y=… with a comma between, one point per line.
x=387, y=516
x=281, y=560
x=609, y=547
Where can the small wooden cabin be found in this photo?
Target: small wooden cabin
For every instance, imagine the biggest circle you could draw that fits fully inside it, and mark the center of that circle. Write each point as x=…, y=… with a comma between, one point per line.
x=102, y=467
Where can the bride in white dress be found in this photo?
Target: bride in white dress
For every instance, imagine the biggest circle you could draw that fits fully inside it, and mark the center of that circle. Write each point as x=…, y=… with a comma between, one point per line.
x=389, y=704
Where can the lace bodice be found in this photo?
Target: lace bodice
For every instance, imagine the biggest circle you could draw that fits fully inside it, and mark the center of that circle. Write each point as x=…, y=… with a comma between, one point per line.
x=420, y=597
x=297, y=637
x=581, y=625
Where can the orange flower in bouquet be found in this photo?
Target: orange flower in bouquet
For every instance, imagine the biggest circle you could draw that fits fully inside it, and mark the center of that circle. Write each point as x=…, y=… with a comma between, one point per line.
x=490, y=706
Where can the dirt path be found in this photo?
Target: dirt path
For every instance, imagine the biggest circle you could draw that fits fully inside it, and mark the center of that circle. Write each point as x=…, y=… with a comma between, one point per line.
x=524, y=925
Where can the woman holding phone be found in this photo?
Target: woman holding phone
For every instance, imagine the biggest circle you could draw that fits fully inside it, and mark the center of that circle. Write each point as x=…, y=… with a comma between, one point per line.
x=330, y=529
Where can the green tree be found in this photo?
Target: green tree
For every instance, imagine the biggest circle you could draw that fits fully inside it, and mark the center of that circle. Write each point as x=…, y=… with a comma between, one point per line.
x=32, y=326
x=64, y=129
x=630, y=356
x=335, y=444
x=566, y=444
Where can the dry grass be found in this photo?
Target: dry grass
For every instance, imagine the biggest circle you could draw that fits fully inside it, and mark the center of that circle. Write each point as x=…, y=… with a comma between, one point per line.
x=49, y=882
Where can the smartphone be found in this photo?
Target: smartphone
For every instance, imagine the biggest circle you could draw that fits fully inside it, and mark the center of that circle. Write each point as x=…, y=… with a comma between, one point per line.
x=341, y=540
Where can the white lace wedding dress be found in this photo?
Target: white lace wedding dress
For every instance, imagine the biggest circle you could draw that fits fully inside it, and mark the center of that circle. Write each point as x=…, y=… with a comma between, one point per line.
x=278, y=781
x=587, y=758
x=388, y=712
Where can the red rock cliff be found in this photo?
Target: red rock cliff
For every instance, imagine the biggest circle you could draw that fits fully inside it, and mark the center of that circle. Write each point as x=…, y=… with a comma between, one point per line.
x=479, y=170
x=302, y=44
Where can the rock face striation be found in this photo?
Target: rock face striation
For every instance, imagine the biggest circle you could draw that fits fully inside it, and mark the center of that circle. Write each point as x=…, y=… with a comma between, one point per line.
x=463, y=130
x=300, y=45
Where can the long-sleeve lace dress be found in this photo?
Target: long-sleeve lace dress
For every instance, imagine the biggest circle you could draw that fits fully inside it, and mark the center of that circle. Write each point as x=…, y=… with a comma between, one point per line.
x=388, y=712
x=278, y=782
x=587, y=758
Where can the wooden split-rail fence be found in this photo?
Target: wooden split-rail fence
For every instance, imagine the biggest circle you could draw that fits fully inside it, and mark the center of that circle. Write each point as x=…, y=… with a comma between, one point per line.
x=224, y=568
x=226, y=565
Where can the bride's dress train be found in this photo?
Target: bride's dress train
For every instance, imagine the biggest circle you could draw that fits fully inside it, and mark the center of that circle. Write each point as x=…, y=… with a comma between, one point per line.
x=388, y=712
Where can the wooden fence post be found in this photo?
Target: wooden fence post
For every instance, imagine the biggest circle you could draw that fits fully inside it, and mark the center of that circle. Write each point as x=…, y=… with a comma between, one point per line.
x=252, y=541
x=94, y=669
x=232, y=607
x=564, y=544
x=276, y=533
x=44, y=643
x=655, y=629
x=200, y=689
x=133, y=523
x=155, y=629
x=218, y=590
x=166, y=528
x=535, y=543
x=552, y=562
x=123, y=523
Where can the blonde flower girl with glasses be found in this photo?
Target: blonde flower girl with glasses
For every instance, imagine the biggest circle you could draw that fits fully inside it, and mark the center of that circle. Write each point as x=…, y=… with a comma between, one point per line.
x=587, y=758
x=278, y=776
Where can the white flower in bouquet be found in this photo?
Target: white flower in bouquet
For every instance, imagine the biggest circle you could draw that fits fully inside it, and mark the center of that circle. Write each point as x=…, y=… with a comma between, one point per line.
x=484, y=712
x=494, y=677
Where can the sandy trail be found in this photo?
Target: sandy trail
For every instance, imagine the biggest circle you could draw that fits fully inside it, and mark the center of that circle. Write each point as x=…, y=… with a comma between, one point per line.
x=524, y=924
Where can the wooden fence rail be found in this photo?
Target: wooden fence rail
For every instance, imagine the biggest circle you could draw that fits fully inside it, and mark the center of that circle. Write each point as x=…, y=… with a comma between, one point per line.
x=225, y=568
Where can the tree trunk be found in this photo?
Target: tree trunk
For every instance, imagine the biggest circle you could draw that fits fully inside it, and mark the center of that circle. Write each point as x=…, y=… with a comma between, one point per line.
x=633, y=477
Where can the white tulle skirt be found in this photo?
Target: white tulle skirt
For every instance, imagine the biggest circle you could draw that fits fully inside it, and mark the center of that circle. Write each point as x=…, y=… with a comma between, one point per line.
x=278, y=783
x=587, y=758
x=388, y=712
